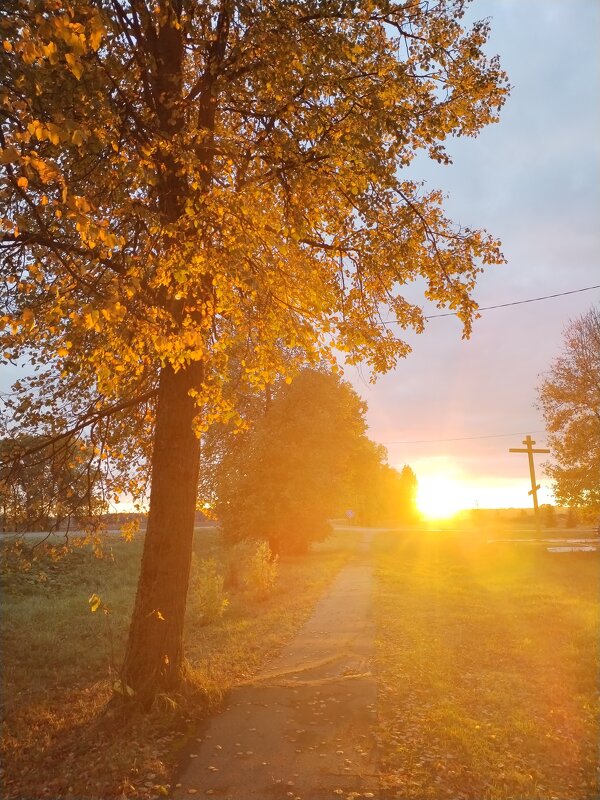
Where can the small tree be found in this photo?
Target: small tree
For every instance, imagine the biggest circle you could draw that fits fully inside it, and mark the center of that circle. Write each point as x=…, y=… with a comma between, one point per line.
x=285, y=477
x=570, y=399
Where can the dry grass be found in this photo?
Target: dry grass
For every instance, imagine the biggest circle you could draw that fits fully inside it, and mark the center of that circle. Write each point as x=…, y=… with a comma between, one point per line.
x=58, y=657
x=488, y=658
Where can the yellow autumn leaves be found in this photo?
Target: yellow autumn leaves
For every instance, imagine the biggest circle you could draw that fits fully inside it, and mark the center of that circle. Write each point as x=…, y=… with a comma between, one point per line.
x=42, y=131
x=58, y=36
x=92, y=318
x=296, y=234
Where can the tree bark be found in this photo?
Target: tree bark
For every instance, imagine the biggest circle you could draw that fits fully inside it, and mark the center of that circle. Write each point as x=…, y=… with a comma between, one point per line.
x=154, y=655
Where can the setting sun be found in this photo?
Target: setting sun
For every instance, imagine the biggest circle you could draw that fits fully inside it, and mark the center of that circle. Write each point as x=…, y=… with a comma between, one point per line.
x=441, y=496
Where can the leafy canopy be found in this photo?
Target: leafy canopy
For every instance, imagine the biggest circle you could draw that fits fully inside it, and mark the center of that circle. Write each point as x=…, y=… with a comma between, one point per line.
x=182, y=181
x=297, y=466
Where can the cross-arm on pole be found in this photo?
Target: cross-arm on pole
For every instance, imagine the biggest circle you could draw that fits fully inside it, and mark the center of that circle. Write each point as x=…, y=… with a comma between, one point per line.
x=530, y=450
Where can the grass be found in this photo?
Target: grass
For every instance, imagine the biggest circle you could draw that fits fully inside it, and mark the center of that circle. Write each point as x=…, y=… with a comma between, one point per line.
x=488, y=665
x=59, y=659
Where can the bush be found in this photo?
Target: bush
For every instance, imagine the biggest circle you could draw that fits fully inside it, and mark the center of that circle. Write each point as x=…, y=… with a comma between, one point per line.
x=252, y=566
x=208, y=588
x=261, y=570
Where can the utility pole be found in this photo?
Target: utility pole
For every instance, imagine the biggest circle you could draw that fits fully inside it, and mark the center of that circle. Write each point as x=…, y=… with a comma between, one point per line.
x=530, y=450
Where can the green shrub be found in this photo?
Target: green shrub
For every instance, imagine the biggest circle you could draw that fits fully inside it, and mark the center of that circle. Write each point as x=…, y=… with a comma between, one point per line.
x=260, y=571
x=208, y=588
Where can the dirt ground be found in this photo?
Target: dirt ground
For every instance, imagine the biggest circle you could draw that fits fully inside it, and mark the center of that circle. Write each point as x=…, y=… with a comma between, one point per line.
x=303, y=727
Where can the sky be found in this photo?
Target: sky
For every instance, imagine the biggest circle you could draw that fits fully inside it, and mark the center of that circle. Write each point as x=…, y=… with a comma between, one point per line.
x=533, y=180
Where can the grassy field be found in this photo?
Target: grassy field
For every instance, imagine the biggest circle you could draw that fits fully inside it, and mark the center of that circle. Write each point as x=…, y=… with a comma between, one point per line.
x=488, y=663
x=58, y=659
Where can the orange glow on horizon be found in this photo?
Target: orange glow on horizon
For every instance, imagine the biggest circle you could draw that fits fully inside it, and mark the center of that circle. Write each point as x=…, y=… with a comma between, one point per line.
x=445, y=489
x=442, y=496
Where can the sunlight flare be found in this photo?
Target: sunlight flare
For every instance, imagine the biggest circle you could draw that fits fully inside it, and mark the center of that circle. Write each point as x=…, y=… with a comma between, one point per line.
x=441, y=496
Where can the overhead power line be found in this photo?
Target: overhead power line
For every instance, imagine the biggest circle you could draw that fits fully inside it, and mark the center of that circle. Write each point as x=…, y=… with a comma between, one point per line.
x=506, y=305
x=464, y=438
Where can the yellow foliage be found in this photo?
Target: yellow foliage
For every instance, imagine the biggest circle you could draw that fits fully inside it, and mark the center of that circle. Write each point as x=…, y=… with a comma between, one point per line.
x=96, y=35
x=49, y=50
x=129, y=529
x=74, y=65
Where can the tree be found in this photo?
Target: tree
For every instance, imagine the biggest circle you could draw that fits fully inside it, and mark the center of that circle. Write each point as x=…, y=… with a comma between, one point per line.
x=367, y=470
x=183, y=180
x=380, y=494
x=251, y=403
x=406, y=493
x=305, y=458
x=281, y=480
x=569, y=396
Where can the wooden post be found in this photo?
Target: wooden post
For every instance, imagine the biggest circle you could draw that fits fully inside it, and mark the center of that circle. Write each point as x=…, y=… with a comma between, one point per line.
x=530, y=450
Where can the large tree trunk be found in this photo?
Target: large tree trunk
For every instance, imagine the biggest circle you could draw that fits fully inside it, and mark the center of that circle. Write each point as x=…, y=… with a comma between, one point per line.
x=154, y=655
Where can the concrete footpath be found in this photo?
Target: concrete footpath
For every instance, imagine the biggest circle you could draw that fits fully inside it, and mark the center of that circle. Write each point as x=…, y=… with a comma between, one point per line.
x=302, y=728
